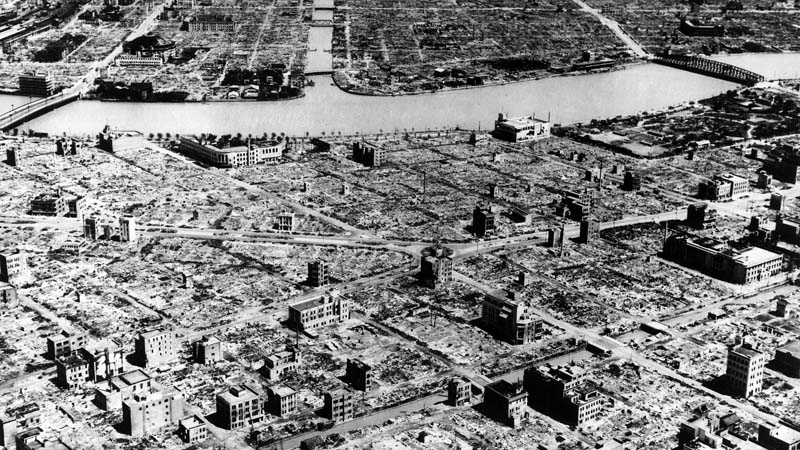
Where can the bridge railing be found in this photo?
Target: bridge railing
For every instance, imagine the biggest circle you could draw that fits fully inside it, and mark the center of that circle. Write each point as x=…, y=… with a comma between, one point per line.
x=36, y=105
x=711, y=67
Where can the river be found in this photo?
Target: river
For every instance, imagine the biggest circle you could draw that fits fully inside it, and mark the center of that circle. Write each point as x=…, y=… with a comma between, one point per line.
x=325, y=108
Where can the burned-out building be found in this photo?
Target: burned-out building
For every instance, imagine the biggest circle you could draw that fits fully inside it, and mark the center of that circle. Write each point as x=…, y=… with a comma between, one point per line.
x=563, y=393
x=506, y=317
x=715, y=258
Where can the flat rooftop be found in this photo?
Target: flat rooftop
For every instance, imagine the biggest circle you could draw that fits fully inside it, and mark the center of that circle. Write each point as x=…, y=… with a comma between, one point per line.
x=755, y=255
x=192, y=422
x=309, y=304
x=746, y=350
x=505, y=388
x=792, y=347
x=282, y=391
x=134, y=377
x=785, y=434
x=237, y=394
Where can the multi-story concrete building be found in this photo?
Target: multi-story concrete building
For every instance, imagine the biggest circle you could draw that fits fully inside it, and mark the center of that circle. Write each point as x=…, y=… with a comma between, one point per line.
x=715, y=258
x=24, y=417
x=149, y=412
x=12, y=157
x=13, y=267
x=36, y=84
x=574, y=205
x=787, y=359
x=459, y=391
x=505, y=402
x=192, y=429
x=325, y=310
x=155, y=347
x=590, y=230
x=239, y=407
x=106, y=360
x=368, y=154
x=507, y=318
x=123, y=387
x=212, y=23
x=64, y=343
x=8, y=294
x=49, y=205
x=234, y=156
x=358, y=374
x=277, y=364
x=207, y=350
x=521, y=129
x=724, y=186
x=91, y=228
x=745, y=369
x=778, y=437
x=699, y=217
x=436, y=267
x=127, y=229
x=72, y=370
x=484, y=221
x=338, y=405
x=282, y=400
x=285, y=222
x=318, y=274
x=561, y=392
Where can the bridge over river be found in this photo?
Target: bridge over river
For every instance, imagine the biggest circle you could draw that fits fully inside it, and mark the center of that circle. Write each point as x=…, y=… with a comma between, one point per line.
x=709, y=67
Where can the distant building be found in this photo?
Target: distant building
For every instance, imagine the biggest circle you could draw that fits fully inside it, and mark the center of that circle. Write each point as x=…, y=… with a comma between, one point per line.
x=590, y=230
x=505, y=402
x=212, y=23
x=520, y=129
x=12, y=157
x=149, y=412
x=555, y=237
x=574, y=205
x=13, y=267
x=724, y=186
x=338, y=405
x=318, y=274
x=279, y=363
x=146, y=50
x=562, y=393
x=358, y=375
x=192, y=429
x=239, y=407
x=690, y=28
x=234, y=156
x=764, y=180
x=72, y=370
x=282, y=400
x=778, y=437
x=745, y=369
x=155, y=347
x=91, y=228
x=507, y=318
x=123, y=388
x=483, y=221
x=285, y=222
x=632, y=181
x=783, y=162
x=49, y=205
x=715, y=258
x=776, y=201
x=36, y=85
x=34, y=439
x=325, y=310
x=459, y=391
x=8, y=294
x=64, y=343
x=787, y=359
x=787, y=229
x=207, y=350
x=368, y=154
x=699, y=217
x=127, y=229
x=436, y=267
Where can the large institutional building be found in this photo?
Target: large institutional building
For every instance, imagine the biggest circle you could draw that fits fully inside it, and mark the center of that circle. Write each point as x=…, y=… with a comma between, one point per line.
x=234, y=156
x=318, y=312
x=745, y=370
x=156, y=347
x=713, y=257
x=507, y=318
x=520, y=129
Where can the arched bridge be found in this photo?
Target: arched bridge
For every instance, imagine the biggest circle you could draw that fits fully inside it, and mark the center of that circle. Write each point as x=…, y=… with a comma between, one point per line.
x=36, y=108
x=711, y=68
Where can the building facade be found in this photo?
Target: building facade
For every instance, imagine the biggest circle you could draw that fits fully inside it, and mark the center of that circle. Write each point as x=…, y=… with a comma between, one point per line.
x=239, y=407
x=318, y=312
x=561, y=392
x=13, y=267
x=149, y=412
x=715, y=258
x=368, y=154
x=483, y=221
x=338, y=405
x=520, y=129
x=192, y=429
x=64, y=343
x=279, y=363
x=318, y=274
x=505, y=402
x=507, y=318
x=459, y=391
x=358, y=374
x=155, y=347
x=745, y=369
x=282, y=400
x=436, y=267
x=787, y=359
x=207, y=350
x=237, y=156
